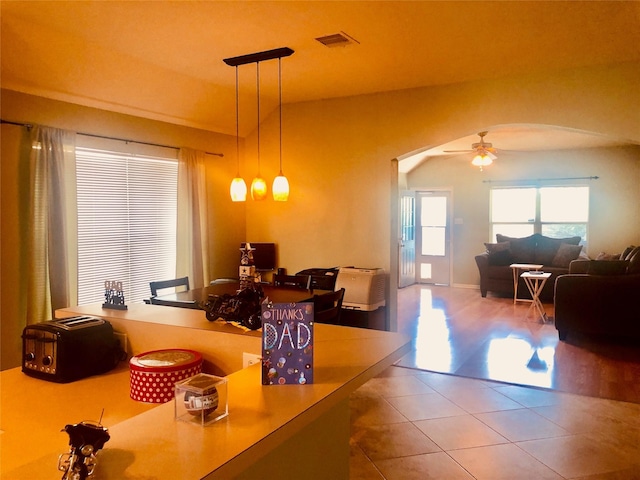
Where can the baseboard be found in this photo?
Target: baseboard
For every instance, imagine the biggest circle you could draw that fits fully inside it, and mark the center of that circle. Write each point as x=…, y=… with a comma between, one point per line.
x=466, y=285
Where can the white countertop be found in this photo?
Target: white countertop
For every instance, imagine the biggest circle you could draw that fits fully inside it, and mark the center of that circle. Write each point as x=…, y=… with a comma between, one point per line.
x=146, y=442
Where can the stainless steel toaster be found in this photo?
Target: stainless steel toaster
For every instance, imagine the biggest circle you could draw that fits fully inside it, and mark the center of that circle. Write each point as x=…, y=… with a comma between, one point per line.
x=69, y=349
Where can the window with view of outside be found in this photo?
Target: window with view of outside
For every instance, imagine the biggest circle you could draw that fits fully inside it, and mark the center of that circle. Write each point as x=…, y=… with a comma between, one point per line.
x=556, y=212
x=127, y=211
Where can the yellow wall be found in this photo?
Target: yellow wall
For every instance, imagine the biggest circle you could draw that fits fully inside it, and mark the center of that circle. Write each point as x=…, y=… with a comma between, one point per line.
x=338, y=155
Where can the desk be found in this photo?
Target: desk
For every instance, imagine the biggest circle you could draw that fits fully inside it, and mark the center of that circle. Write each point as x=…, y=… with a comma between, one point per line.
x=518, y=268
x=189, y=298
x=535, y=283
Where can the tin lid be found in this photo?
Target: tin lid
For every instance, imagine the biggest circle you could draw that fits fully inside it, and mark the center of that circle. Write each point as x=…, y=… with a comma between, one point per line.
x=165, y=360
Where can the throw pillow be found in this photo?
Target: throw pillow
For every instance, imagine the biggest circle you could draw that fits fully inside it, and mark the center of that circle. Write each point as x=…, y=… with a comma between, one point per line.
x=608, y=267
x=522, y=249
x=499, y=253
x=547, y=247
x=565, y=255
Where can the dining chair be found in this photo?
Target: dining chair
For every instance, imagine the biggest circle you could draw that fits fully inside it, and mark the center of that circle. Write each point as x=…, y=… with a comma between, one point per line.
x=297, y=281
x=327, y=307
x=173, y=283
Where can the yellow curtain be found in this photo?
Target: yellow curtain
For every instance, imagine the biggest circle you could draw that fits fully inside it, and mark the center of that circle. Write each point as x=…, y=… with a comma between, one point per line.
x=52, y=223
x=192, y=257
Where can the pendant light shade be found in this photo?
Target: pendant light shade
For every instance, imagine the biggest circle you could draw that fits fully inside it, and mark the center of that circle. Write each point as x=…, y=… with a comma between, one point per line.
x=258, y=188
x=238, y=188
x=280, y=188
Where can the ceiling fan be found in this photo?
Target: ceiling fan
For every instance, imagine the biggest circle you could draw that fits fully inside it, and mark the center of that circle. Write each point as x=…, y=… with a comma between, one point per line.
x=485, y=154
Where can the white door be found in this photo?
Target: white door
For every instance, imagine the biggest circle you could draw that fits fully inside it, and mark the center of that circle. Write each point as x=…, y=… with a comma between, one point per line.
x=433, y=239
x=407, y=254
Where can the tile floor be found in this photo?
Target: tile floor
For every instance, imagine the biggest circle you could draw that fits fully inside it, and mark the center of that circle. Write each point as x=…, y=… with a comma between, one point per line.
x=411, y=424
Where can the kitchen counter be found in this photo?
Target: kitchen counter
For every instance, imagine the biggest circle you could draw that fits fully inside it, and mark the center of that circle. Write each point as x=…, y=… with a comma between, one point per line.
x=286, y=431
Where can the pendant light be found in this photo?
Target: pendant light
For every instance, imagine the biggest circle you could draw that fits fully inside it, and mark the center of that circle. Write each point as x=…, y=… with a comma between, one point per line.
x=280, y=186
x=238, y=188
x=258, y=185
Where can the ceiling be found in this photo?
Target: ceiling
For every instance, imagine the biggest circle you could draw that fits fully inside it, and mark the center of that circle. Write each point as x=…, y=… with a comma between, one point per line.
x=513, y=139
x=163, y=59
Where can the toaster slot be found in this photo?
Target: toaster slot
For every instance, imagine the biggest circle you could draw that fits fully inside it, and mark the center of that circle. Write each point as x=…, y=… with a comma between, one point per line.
x=73, y=323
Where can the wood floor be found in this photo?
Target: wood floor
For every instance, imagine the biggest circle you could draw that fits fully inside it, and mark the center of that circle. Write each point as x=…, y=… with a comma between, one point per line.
x=456, y=331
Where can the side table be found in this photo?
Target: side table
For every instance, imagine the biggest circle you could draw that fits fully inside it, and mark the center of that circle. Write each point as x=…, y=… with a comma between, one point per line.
x=517, y=269
x=535, y=283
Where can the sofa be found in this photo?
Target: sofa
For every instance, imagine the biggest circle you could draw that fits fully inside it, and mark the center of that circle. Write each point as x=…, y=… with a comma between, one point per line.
x=600, y=297
x=555, y=254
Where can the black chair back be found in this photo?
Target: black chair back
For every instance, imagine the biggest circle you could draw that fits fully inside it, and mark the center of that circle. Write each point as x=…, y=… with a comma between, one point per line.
x=327, y=307
x=174, y=283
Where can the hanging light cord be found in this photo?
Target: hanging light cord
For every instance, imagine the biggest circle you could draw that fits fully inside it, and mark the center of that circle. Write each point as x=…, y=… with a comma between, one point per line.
x=237, y=125
x=280, y=106
x=258, y=90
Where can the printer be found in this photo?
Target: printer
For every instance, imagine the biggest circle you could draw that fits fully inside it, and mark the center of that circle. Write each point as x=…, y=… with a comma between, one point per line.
x=364, y=288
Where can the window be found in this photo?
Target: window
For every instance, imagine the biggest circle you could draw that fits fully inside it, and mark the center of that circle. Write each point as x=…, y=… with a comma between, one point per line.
x=127, y=209
x=433, y=220
x=556, y=212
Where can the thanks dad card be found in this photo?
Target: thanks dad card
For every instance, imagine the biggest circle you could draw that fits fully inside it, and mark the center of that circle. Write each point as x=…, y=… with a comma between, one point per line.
x=287, y=343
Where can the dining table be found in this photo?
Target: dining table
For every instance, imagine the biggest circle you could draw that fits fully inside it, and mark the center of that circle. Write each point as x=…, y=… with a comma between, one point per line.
x=192, y=298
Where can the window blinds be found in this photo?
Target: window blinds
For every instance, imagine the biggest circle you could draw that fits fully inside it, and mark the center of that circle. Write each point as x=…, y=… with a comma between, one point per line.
x=127, y=209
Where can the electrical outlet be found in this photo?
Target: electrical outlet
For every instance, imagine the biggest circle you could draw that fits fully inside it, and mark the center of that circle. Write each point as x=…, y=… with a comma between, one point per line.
x=249, y=359
x=122, y=338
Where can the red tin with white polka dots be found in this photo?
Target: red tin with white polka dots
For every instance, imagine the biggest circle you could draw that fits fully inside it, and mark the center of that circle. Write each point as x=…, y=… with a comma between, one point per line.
x=154, y=374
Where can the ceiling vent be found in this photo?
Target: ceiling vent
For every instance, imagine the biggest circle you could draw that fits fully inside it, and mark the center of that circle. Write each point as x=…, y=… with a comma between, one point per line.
x=337, y=40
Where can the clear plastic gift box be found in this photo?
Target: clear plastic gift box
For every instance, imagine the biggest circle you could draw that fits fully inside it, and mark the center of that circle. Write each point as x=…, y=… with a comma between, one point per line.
x=201, y=399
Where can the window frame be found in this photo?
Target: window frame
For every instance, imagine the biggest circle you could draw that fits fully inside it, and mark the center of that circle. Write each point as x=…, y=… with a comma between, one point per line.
x=537, y=223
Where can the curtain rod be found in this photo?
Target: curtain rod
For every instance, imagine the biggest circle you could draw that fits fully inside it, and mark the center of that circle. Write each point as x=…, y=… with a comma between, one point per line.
x=541, y=179
x=29, y=126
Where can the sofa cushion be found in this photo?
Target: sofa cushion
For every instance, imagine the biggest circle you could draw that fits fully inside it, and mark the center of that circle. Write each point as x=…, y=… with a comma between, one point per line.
x=499, y=253
x=522, y=249
x=579, y=265
x=546, y=248
x=566, y=254
x=634, y=261
x=500, y=273
x=608, y=267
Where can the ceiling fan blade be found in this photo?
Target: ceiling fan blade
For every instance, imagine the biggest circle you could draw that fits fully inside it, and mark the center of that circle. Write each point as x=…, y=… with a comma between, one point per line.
x=458, y=151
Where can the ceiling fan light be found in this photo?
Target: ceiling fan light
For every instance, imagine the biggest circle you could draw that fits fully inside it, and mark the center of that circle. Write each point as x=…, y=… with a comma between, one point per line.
x=258, y=188
x=238, y=190
x=481, y=160
x=280, y=188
